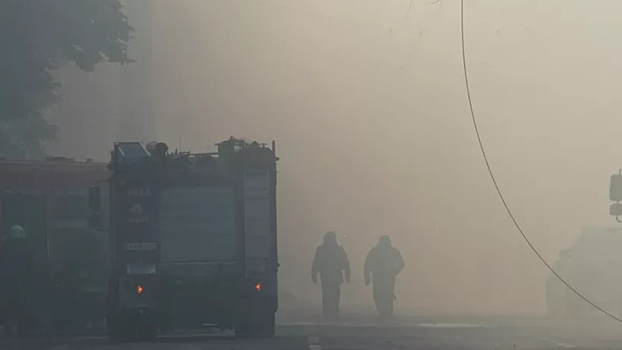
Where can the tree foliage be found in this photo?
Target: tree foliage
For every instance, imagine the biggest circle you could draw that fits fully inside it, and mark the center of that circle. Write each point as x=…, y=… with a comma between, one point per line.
x=38, y=37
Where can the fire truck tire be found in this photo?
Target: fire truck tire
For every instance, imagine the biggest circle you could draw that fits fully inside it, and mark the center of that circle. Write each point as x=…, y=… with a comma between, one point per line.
x=270, y=326
x=260, y=326
x=124, y=333
x=120, y=330
x=147, y=333
x=120, y=334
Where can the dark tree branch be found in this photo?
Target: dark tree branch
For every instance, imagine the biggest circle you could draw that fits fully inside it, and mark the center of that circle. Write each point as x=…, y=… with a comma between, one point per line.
x=38, y=37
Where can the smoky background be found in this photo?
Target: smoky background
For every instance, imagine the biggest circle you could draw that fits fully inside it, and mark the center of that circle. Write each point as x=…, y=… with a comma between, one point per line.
x=367, y=103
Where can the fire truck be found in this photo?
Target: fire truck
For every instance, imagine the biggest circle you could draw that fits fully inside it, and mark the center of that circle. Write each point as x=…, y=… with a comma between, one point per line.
x=193, y=239
x=49, y=199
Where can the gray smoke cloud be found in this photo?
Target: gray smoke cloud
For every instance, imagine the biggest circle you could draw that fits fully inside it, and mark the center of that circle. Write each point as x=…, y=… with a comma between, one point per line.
x=369, y=111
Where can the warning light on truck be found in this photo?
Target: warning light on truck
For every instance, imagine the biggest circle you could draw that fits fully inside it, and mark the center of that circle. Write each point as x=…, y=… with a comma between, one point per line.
x=258, y=287
x=139, y=289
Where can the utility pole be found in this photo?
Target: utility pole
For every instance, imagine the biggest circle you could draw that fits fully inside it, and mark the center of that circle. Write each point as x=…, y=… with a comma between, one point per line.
x=615, y=195
x=135, y=116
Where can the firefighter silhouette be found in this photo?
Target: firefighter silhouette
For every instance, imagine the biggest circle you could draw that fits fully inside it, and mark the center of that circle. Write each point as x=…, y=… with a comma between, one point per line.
x=330, y=262
x=382, y=265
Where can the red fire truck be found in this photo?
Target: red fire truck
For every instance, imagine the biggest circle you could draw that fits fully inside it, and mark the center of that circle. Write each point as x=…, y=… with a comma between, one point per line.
x=49, y=199
x=193, y=239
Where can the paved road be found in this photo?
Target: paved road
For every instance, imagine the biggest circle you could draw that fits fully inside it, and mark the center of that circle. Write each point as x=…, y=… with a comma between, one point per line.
x=461, y=336
x=196, y=342
x=366, y=336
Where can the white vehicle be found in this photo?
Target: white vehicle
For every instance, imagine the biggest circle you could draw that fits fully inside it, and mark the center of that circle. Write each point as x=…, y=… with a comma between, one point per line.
x=593, y=266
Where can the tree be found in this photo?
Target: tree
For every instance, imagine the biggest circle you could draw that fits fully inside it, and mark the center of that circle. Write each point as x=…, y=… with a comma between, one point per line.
x=38, y=37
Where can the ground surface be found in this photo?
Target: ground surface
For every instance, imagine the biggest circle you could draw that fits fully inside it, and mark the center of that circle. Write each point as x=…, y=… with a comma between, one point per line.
x=490, y=334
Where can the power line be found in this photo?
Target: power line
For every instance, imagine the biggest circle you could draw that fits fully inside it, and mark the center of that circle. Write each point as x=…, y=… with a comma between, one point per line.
x=494, y=180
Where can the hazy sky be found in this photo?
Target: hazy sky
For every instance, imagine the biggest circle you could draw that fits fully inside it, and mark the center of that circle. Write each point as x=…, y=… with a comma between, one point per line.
x=367, y=103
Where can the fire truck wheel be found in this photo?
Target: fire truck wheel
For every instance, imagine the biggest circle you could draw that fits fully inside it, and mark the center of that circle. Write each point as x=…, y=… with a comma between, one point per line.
x=260, y=326
x=270, y=326
x=120, y=332
x=147, y=333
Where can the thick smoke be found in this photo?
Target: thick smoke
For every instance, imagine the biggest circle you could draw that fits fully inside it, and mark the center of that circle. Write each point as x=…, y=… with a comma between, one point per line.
x=370, y=116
